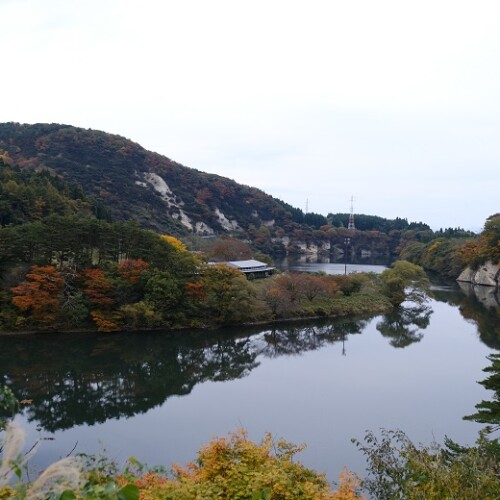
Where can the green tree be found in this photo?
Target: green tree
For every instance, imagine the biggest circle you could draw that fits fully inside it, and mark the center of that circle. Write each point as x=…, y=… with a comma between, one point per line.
x=139, y=316
x=163, y=292
x=405, y=281
x=488, y=412
x=398, y=469
x=230, y=297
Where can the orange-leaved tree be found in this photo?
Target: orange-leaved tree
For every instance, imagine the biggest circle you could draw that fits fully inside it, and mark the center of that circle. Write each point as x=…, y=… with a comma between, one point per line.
x=131, y=269
x=100, y=291
x=40, y=295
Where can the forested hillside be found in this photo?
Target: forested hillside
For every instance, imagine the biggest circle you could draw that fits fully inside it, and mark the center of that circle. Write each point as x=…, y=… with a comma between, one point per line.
x=29, y=195
x=59, y=169
x=131, y=183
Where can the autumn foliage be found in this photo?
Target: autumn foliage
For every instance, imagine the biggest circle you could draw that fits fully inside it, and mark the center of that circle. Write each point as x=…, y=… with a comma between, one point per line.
x=174, y=242
x=98, y=288
x=236, y=467
x=131, y=269
x=449, y=257
x=40, y=294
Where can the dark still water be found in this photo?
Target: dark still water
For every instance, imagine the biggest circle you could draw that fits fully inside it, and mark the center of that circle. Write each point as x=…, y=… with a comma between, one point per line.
x=160, y=396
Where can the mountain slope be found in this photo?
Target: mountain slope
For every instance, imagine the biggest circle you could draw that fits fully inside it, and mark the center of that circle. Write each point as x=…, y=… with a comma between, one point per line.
x=135, y=184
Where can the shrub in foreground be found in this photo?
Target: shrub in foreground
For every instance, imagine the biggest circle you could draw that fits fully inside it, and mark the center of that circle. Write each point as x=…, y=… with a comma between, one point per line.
x=236, y=467
x=232, y=467
x=398, y=469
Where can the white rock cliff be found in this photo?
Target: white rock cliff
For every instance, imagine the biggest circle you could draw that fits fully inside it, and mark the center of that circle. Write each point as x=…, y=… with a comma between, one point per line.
x=488, y=274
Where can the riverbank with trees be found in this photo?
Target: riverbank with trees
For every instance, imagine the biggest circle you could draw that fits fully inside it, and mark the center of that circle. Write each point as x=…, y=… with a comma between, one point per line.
x=67, y=273
x=450, y=256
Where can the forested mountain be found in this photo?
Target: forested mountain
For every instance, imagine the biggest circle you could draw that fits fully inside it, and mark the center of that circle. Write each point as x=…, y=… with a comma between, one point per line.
x=131, y=183
x=51, y=169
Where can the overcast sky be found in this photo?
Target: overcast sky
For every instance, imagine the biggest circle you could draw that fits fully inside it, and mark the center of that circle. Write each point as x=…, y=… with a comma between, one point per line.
x=396, y=103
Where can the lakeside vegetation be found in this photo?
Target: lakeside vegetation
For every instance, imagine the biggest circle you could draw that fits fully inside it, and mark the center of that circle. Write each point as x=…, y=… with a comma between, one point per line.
x=63, y=268
x=67, y=273
x=450, y=256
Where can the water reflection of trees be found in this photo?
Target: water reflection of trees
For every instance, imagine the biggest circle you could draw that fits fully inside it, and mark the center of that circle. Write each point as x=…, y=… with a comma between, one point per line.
x=80, y=380
x=296, y=340
x=87, y=379
x=404, y=325
x=478, y=304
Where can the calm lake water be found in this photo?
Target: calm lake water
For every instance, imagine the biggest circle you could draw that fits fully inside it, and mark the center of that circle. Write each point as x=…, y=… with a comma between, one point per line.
x=316, y=264
x=160, y=396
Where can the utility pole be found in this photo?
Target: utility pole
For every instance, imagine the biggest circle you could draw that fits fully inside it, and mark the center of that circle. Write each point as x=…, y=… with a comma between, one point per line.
x=347, y=240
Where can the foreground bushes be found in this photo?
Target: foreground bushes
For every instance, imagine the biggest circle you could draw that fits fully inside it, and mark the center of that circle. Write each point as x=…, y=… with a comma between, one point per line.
x=226, y=468
x=235, y=467
x=398, y=469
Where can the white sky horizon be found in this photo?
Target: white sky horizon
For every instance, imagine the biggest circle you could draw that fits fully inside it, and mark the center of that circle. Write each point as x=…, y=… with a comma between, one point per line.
x=394, y=103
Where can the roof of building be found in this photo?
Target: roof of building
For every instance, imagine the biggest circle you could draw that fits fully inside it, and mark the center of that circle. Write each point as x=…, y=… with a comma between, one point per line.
x=247, y=265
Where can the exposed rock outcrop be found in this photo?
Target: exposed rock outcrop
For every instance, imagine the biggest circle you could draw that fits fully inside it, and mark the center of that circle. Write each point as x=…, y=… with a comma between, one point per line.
x=487, y=274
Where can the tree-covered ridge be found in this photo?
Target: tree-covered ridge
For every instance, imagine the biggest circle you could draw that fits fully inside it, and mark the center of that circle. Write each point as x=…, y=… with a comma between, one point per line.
x=127, y=182
x=28, y=195
x=117, y=172
x=375, y=223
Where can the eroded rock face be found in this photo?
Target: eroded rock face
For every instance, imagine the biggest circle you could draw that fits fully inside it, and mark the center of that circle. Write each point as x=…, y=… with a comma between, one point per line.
x=487, y=274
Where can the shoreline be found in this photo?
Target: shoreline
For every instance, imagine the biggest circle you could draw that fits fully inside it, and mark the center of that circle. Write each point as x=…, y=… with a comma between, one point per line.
x=214, y=328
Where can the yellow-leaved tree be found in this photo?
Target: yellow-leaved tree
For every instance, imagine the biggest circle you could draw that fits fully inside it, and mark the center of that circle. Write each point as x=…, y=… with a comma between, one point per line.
x=176, y=243
x=236, y=467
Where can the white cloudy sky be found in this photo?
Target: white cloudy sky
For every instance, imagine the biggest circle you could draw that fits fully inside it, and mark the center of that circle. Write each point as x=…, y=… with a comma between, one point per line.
x=396, y=103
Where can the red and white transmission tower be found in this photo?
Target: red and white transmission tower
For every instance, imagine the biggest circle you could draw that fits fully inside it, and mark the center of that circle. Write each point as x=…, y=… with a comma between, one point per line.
x=351, y=216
